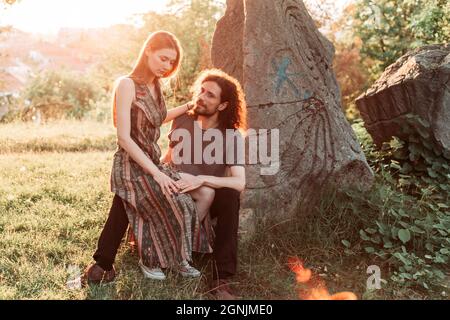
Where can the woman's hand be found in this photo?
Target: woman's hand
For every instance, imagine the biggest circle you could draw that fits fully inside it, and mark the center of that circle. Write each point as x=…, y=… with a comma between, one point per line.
x=188, y=182
x=167, y=184
x=190, y=105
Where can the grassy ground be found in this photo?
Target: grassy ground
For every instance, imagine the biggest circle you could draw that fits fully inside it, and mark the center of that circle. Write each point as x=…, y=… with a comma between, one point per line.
x=53, y=205
x=61, y=136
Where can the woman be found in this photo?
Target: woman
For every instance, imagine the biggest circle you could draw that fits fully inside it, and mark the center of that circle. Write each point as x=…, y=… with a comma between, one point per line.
x=163, y=220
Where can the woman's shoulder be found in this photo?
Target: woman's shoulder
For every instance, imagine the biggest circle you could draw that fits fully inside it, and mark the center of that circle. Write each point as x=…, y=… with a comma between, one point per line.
x=125, y=83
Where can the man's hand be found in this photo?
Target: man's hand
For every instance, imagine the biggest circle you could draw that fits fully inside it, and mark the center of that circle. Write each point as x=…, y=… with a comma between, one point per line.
x=188, y=182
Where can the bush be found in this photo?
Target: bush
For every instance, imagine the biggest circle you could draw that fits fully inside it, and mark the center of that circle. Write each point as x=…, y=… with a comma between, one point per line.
x=100, y=110
x=408, y=216
x=61, y=94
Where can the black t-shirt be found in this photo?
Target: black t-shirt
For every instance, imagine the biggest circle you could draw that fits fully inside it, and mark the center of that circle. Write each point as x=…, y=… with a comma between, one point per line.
x=208, y=152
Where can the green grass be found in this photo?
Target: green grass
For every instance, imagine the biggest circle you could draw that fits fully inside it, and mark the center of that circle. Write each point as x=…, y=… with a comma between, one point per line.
x=52, y=215
x=316, y=239
x=53, y=206
x=61, y=136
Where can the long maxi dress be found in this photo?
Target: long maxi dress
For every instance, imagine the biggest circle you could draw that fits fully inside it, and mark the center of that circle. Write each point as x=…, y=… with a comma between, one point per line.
x=166, y=228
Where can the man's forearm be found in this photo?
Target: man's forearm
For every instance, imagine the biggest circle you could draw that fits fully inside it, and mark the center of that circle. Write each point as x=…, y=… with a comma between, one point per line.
x=236, y=183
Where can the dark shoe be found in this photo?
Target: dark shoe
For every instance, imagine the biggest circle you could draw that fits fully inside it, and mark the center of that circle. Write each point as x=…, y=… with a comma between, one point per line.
x=222, y=291
x=95, y=274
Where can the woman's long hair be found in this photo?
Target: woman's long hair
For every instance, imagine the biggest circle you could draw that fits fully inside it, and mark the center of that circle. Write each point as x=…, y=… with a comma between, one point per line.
x=141, y=71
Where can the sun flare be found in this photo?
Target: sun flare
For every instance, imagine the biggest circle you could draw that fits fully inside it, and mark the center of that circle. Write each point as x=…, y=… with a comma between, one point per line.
x=48, y=16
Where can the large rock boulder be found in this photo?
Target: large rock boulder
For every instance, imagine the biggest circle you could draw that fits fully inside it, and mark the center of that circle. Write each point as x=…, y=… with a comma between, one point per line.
x=418, y=84
x=285, y=66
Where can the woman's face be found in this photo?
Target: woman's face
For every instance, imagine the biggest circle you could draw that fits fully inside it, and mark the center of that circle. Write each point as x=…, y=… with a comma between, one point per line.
x=161, y=61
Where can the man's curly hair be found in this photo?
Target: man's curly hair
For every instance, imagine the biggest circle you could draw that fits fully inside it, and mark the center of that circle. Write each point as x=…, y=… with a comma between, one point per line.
x=234, y=116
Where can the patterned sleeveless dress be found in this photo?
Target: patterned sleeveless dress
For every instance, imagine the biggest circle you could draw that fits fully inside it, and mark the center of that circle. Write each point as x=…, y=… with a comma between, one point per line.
x=166, y=229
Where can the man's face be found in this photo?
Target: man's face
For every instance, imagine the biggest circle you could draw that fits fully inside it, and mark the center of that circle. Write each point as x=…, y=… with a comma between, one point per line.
x=207, y=101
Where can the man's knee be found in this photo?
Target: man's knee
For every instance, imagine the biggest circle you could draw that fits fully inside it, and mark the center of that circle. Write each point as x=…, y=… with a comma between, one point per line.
x=227, y=193
x=207, y=192
x=226, y=201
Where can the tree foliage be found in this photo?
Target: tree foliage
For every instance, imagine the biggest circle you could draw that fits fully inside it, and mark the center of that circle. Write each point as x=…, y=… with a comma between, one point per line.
x=390, y=28
x=370, y=35
x=59, y=94
x=193, y=23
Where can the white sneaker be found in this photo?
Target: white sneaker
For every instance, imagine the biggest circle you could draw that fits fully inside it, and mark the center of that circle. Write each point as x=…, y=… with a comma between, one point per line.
x=155, y=273
x=188, y=271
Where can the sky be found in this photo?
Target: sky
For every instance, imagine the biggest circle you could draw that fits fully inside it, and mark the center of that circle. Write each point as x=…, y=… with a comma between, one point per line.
x=47, y=16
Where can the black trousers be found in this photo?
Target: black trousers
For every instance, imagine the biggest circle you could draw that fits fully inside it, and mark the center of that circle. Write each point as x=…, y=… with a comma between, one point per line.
x=225, y=207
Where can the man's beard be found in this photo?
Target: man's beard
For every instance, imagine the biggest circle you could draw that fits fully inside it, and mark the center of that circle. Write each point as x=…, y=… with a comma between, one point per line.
x=204, y=113
x=200, y=110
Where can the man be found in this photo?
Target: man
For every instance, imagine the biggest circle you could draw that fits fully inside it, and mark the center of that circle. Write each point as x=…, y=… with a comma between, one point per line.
x=219, y=110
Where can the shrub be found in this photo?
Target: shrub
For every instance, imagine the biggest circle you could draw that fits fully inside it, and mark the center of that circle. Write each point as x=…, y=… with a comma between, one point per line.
x=61, y=94
x=409, y=206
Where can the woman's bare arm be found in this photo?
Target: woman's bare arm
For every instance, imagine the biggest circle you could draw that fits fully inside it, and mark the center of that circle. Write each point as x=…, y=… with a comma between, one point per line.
x=176, y=112
x=124, y=98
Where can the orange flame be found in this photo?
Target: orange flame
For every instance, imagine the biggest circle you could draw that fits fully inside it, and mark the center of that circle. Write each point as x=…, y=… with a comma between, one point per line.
x=316, y=289
x=303, y=275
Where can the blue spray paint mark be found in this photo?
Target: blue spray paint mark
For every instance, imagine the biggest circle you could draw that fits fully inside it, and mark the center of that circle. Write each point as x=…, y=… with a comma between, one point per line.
x=282, y=77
